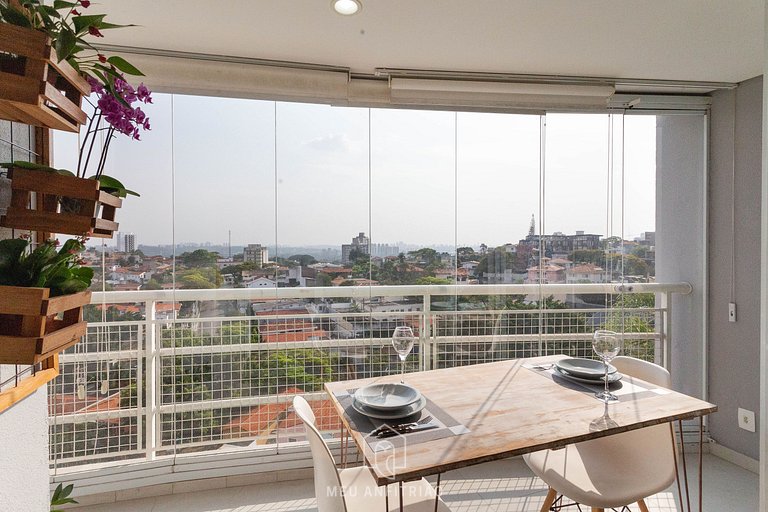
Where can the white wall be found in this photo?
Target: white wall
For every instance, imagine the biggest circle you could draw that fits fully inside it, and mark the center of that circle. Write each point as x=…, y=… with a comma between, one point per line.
x=23, y=427
x=24, y=455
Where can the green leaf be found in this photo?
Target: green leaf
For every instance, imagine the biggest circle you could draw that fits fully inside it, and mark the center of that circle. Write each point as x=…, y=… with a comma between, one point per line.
x=65, y=43
x=82, y=23
x=106, y=26
x=85, y=274
x=11, y=250
x=124, y=66
x=109, y=182
x=49, y=11
x=56, y=494
x=67, y=490
x=14, y=17
x=108, y=70
x=61, y=4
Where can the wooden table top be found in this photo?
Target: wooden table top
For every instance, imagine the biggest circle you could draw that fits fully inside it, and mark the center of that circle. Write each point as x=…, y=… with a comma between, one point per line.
x=509, y=410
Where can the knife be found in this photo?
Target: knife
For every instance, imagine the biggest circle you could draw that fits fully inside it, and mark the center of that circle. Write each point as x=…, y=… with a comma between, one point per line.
x=406, y=430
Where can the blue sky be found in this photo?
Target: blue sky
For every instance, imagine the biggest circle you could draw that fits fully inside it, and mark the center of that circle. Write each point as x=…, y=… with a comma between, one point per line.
x=210, y=165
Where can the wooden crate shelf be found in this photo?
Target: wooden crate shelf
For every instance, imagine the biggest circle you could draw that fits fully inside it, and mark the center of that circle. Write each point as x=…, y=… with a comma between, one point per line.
x=34, y=326
x=36, y=204
x=35, y=89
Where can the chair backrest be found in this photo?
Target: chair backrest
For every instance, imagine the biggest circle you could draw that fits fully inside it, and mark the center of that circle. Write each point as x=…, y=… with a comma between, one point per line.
x=643, y=370
x=328, y=488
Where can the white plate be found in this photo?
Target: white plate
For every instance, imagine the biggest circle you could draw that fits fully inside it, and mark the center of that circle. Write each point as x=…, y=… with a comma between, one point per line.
x=386, y=397
x=392, y=414
x=584, y=368
x=612, y=377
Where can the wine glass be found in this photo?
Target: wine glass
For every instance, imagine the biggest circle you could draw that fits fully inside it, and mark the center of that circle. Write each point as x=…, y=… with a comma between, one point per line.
x=403, y=340
x=607, y=345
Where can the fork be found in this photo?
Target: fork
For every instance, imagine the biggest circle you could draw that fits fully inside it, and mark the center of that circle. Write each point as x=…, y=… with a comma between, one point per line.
x=401, y=426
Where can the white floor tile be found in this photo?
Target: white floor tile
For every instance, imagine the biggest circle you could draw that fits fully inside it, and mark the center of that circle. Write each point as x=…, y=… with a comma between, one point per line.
x=502, y=486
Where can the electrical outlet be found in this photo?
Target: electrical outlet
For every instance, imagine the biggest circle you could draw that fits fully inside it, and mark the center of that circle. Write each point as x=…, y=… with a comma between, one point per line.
x=746, y=420
x=731, y=311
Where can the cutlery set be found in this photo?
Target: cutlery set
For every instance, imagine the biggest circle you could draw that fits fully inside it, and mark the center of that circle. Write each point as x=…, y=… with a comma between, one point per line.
x=404, y=428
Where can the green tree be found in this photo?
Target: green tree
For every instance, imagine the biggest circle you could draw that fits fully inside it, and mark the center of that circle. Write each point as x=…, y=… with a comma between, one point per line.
x=241, y=331
x=634, y=266
x=199, y=258
x=303, y=259
x=152, y=284
x=279, y=370
x=464, y=254
x=499, y=260
x=430, y=280
x=426, y=256
x=200, y=278
x=592, y=256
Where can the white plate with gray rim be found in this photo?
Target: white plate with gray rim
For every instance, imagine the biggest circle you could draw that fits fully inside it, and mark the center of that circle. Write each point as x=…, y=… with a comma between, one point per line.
x=387, y=397
x=584, y=368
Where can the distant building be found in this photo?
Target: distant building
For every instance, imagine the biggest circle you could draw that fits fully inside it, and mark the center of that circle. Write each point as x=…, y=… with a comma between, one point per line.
x=360, y=243
x=546, y=273
x=585, y=273
x=125, y=242
x=647, y=238
x=298, y=276
x=559, y=244
x=129, y=242
x=384, y=250
x=261, y=282
x=256, y=253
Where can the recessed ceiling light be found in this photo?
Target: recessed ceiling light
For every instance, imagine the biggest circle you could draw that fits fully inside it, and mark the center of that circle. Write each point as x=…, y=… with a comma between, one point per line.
x=346, y=7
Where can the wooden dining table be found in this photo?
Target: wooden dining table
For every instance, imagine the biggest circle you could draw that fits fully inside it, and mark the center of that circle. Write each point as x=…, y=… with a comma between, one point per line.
x=502, y=409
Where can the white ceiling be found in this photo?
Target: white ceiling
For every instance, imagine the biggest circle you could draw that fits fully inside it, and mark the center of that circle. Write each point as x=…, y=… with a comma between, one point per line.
x=698, y=40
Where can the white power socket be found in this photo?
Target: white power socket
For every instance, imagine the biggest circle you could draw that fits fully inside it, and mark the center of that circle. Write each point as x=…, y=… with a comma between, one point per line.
x=731, y=311
x=747, y=420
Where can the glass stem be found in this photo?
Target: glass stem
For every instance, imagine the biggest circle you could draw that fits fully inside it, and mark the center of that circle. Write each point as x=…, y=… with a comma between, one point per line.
x=607, y=394
x=402, y=370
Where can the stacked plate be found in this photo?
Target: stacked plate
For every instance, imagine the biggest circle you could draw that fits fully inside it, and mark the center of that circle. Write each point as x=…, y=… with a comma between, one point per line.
x=388, y=401
x=586, y=371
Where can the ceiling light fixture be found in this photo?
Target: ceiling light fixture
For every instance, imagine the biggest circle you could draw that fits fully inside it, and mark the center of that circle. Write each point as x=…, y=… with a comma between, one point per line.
x=346, y=7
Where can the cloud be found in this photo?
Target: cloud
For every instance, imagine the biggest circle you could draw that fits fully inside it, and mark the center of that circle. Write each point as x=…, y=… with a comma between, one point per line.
x=333, y=143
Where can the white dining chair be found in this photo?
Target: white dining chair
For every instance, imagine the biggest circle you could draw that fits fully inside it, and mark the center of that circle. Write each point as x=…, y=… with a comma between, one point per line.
x=617, y=470
x=354, y=489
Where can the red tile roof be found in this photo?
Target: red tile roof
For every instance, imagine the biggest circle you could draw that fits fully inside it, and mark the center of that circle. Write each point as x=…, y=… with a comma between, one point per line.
x=265, y=419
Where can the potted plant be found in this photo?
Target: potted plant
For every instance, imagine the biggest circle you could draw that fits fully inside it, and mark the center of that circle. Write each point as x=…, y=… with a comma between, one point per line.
x=42, y=294
x=45, y=59
x=52, y=200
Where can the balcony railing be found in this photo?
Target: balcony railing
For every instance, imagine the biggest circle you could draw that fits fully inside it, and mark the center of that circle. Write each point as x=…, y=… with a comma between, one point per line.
x=217, y=372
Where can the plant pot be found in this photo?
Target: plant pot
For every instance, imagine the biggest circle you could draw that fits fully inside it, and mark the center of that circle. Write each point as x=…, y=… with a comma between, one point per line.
x=53, y=203
x=35, y=326
x=34, y=88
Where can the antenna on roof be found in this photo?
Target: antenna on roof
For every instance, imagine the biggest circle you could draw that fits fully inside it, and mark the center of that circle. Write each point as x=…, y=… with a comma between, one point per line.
x=532, y=228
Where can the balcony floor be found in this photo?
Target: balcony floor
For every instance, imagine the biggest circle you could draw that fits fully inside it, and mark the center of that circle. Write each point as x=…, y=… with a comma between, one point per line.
x=498, y=486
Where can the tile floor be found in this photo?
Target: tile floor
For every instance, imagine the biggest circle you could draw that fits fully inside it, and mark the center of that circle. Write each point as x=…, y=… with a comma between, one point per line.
x=503, y=486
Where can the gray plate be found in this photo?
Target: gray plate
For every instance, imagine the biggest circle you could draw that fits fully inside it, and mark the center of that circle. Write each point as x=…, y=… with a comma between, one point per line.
x=584, y=368
x=391, y=414
x=387, y=397
x=612, y=377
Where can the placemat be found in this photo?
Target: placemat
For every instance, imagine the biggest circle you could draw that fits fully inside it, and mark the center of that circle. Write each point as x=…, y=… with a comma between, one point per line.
x=448, y=425
x=624, y=390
